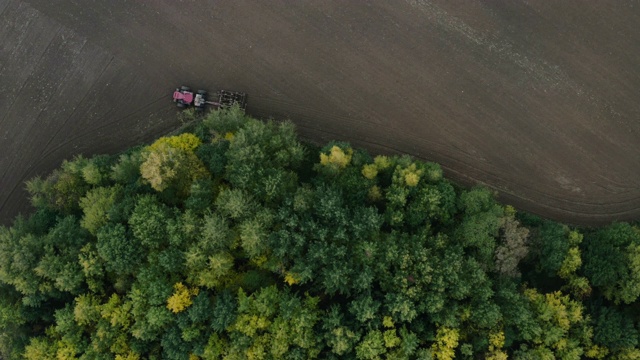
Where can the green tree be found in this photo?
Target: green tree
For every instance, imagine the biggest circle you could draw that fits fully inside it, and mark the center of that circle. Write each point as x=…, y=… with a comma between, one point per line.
x=234, y=203
x=14, y=334
x=339, y=335
x=480, y=224
x=96, y=206
x=550, y=245
x=42, y=266
x=148, y=222
x=201, y=195
x=371, y=346
x=615, y=330
x=262, y=158
x=254, y=233
x=225, y=121
x=97, y=171
x=431, y=205
x=120, y=252
x=148, y=296
x=58, y=266
x=214, y=157
x=612, y=262
x=126, y=169
x=62, y=189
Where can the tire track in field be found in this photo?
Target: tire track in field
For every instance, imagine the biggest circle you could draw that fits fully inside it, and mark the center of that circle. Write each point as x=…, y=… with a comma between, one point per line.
x=29, y=76
x=53, y=95
x=4, y=5
x=79, y=104
x=11, y=107
x=312, y=115
x=95, y=129
x=67, y=53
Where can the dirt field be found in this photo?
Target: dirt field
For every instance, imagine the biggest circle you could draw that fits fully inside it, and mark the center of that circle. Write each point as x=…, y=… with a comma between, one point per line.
x=538, y=100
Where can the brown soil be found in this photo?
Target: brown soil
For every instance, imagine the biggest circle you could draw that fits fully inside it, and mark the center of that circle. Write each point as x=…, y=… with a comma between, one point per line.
x=537, y=100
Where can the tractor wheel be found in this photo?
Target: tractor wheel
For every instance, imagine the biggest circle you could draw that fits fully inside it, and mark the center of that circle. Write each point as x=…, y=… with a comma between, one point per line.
x=202, y=92
x=185, y=88
x=180, y=104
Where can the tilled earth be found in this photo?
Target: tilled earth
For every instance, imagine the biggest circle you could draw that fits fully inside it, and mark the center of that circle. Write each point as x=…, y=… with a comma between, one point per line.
x=537, y=100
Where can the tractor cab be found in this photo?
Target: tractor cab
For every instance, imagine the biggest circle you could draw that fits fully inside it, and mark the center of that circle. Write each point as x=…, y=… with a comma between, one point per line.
x=183, y=96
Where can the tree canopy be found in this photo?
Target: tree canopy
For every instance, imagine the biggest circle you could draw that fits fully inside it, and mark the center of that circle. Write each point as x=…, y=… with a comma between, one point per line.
x=235, y=240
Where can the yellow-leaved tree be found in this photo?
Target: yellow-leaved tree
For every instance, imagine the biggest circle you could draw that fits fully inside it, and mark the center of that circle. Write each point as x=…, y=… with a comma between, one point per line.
x=337, y=159
x=171, y=162
x=446, y=343
x=181, y=298
x=496, y=343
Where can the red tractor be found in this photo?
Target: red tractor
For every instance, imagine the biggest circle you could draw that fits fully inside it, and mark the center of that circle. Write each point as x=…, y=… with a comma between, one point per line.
x=184, y=97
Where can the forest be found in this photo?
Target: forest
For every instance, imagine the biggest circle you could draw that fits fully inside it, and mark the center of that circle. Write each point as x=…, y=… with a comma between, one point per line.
x=233, y=239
